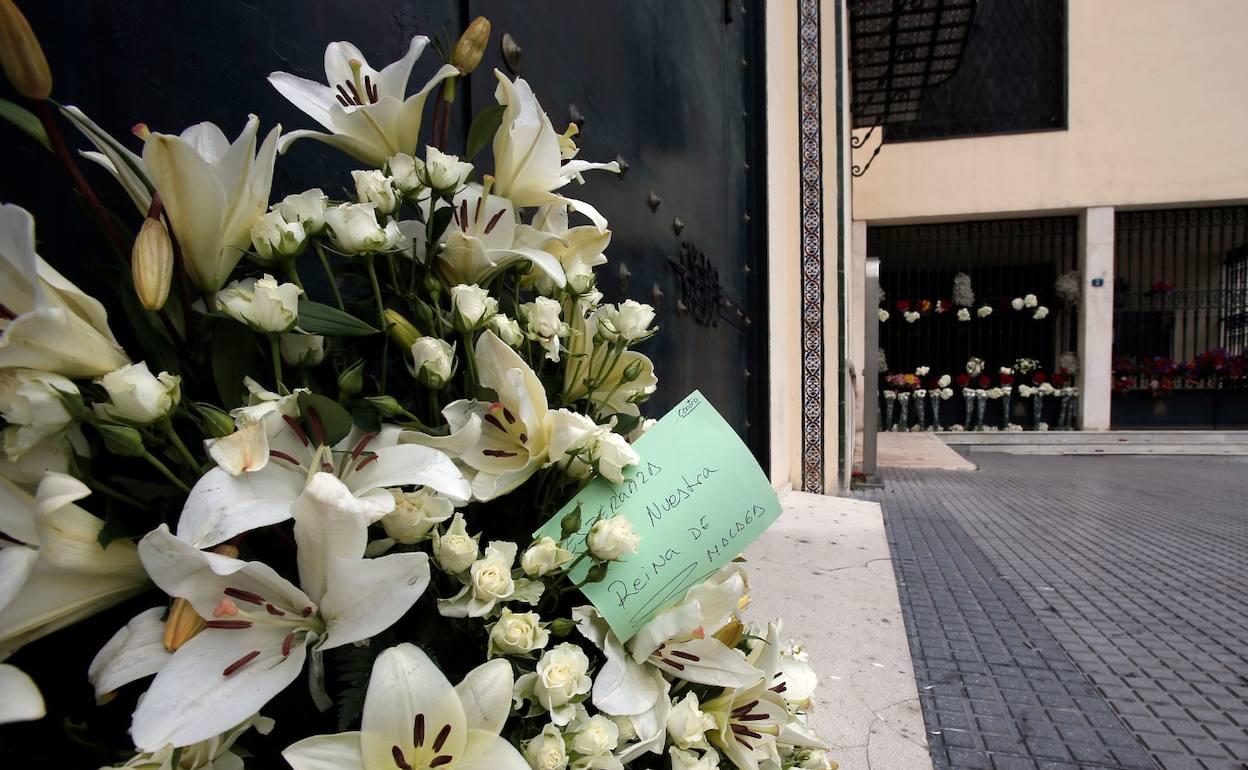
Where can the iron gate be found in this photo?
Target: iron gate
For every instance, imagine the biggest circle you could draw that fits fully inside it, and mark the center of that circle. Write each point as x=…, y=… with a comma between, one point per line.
x=1181, y=318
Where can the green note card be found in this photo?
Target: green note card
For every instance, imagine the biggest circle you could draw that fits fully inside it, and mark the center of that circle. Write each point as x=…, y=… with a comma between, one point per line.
x=697, y=498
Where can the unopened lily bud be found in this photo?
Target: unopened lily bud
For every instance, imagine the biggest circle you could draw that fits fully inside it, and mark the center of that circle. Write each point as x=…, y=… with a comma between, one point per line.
x=151, y=262
x=471, y=45
x=351, y=381
x=122, y=440
x=216, y=423
x=386, y=406
x=22, y=57
x=401, y=330
x=182, y=624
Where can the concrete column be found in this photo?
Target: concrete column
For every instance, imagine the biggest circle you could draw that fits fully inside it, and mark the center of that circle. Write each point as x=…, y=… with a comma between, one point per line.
x=1096, y=316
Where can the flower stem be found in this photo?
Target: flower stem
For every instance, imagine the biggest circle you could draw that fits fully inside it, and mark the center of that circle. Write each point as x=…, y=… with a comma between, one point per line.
x=103, y=488
x=329, y=271
x=293, y=273
x=470, y=354
x=181, y=449
x=158, y=465
x=381, y=316
x=275, y=351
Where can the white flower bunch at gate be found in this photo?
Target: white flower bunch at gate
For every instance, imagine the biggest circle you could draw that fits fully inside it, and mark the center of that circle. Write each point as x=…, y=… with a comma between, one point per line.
x=335, y=422
x=974, y=366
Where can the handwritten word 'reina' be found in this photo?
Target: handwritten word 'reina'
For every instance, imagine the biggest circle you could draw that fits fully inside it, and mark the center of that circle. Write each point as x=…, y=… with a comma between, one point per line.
x=656, y=509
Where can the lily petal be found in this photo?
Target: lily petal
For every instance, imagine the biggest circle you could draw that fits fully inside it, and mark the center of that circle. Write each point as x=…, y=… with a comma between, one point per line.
x=135, y=651
x=709, y=661
x=485, y=695
x=406, y=690
x=313, y=98
x=22, y=700
x=622, y=687
x=221, y=506
x=340, y=751
x=406, y=464
x=367, y=596
x=330, y=524
x=487, y=751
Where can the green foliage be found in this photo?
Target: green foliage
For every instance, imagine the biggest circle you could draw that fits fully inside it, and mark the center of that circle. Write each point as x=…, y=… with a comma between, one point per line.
x=484, y=125
x=334, y=420
x=234, y=357
x=315, y=318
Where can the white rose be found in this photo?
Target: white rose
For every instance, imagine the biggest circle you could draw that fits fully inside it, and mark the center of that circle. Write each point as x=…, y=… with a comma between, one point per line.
x=562, y=674
x=433, y=361
x=581, y=444
x=920, y=393
x=911, y=316
x=543, y=557
x=687, y=724
x=263, y=304
x=490, y=576
x=547, y=751
x=1041, y=313
x=542, y=322
x=1046, y=389
x=445, y=172
x=137, y=396
x=407, y=173
x=1017, y=303
x=946, y=393
x=984, y=311
x=995, y=393
x=472, y=305
x=944, y=381
x=415, y=514
x=455, y=551
x=517, y=633
x=355, y=229
x=507, y=329
x=609, y=539
x=643, y=426
x=611, y=454
x=302, y=349
x=1006, y=370
x=883, y=315
x=922, y=371
x=375, y=187
x=32, y=407
x=964, y=314
x=1030, y=301
x=276, y=240
x=307, y=208
x=629, y=322
x=688, y=760
x=595, y=736
x=815, y=759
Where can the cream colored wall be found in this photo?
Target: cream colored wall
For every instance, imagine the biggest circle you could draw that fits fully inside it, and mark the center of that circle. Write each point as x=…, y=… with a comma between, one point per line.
x=1156, y=116
x=783, y=245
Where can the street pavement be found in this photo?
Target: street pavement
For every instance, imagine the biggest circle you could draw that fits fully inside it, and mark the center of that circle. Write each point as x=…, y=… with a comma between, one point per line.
x=1076, y=612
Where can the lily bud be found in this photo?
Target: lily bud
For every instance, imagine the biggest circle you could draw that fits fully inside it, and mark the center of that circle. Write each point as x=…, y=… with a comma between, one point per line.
x=122, y=440
x=401, y=330
x=182, y=624
x=151, y=262
x=216, y=423
x=471, y=45
x=351, y=381
x=22, y=57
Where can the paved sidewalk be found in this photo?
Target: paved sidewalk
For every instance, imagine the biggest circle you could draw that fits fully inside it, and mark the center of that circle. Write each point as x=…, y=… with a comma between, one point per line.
x=1077, y=612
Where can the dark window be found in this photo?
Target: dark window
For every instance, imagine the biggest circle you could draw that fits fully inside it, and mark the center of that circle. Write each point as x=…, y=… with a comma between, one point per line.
x=1012, y=76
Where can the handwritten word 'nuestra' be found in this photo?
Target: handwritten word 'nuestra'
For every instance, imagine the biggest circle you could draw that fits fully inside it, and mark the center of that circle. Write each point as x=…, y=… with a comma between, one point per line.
x=656, y=509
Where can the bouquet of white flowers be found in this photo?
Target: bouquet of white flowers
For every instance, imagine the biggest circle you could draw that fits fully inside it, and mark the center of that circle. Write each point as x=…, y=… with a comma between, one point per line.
x=309, y=443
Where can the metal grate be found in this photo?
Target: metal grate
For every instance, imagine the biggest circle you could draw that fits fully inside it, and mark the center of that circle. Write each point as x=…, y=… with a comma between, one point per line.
x=1012, y=76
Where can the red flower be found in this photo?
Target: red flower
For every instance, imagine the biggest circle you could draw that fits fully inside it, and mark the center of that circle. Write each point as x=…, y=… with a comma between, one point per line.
x=1059, y=379
x=963, y=380
x=1039, y=377
x=1007, y=379
x=984, y=381
x=903, y=305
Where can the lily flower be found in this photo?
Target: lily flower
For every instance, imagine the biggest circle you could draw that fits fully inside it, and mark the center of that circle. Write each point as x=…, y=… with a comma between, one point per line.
x=498, y=445
x=46, y=322
x=795, y=682
x=747, y=721
x=260, y=626
x=364, y=110
x=483, y=239
x=414, y=720
x=213, y=192
x=116, y=158
x=528, y=163
x=579, y=250
x=53, y=570
x=211, y=754
x=613, y=381
x=22, y=700
x=230, y=499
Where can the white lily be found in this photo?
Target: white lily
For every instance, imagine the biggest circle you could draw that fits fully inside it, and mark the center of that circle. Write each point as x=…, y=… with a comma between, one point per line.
x=46, y=322
x=528, y=164
x=747, y=721
x=22, y=700
x=53, y=570
x=364, y=110
x=260, y=625
x=210, y=754
x=36, y=419
x=579, y=249
x=116, y=158
x=794, y=681
x=483, y=239
x=600, y=372
x=213, y=192
x=222, y=504
x=414, y=719
x=499, y=445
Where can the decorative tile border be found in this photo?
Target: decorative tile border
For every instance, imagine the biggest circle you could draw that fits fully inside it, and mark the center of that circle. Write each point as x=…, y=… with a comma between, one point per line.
x=810, y=127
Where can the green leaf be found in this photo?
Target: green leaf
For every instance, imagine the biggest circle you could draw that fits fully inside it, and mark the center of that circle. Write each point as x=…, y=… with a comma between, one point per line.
x=234, y=356
x=625, y=423
x=26, y=121
x=484, y=125
x=335, y=421
x=315, y=318
x=441, y=220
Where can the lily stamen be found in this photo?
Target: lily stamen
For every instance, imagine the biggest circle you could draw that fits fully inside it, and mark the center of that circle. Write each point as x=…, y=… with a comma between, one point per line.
x=246, y=596
x=418, y=730
x=296, y=427
x=228, y=624
x=399, y=760
x=440, y=741
x=236, y=665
